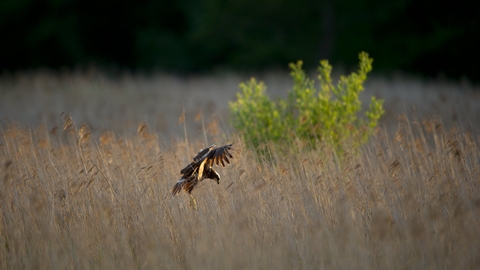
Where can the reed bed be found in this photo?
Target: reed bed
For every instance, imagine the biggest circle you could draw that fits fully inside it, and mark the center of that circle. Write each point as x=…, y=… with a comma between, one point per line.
x=70, y=199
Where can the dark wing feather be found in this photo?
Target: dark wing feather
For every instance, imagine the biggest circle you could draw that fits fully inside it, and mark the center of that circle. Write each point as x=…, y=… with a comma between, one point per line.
x=189, y=170
x=200, y=167
x=202, y=152
x=197, y=161
x=219, y=155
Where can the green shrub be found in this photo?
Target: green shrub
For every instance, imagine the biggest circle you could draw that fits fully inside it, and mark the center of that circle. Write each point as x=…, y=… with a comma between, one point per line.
x=329, y=114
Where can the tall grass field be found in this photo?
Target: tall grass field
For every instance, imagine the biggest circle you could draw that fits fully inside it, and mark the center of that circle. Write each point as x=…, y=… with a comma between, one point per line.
x=87, y=170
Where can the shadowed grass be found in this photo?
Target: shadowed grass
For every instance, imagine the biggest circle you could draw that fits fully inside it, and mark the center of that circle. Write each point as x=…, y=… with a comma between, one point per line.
x=72, y=200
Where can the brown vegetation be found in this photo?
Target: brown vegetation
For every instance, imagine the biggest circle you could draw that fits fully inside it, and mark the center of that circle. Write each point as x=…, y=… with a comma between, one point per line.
x=70, y=200
x=90, y=188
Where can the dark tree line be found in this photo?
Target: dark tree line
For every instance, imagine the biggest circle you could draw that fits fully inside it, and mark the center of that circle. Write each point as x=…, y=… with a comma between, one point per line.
x=419, y=36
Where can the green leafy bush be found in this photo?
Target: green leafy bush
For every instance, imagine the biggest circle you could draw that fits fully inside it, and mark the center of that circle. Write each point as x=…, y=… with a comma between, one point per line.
x=328, y=114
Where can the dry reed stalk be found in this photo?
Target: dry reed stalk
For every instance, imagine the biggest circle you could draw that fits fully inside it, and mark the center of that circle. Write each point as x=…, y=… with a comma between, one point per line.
x=406, y=201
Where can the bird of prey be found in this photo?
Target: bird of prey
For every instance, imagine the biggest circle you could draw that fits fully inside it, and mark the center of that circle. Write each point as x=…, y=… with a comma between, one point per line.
x=202, y=168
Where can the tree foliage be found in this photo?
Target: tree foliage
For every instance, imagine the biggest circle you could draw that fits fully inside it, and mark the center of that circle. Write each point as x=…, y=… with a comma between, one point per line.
x=191, y=36
x=327, y=113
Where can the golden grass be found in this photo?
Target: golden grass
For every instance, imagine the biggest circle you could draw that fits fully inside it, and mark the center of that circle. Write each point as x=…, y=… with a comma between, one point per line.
x=95, y=195
x=70, y=200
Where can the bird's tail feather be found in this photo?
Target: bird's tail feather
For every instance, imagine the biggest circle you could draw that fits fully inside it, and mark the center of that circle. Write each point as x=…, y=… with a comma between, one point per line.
x=177, y=188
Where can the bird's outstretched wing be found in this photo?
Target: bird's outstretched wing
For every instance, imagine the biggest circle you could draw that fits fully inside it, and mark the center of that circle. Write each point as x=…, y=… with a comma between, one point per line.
x=216, y=156
x=210, y=156
x=203, y=161
x=202, y=152
x=219, y=155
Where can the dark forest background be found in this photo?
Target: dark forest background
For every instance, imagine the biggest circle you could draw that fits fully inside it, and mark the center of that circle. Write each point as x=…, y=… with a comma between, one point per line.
x=417, y=36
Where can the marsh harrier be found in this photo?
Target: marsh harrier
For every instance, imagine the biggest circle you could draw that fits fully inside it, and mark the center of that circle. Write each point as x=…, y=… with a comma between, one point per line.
x=202, y=168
